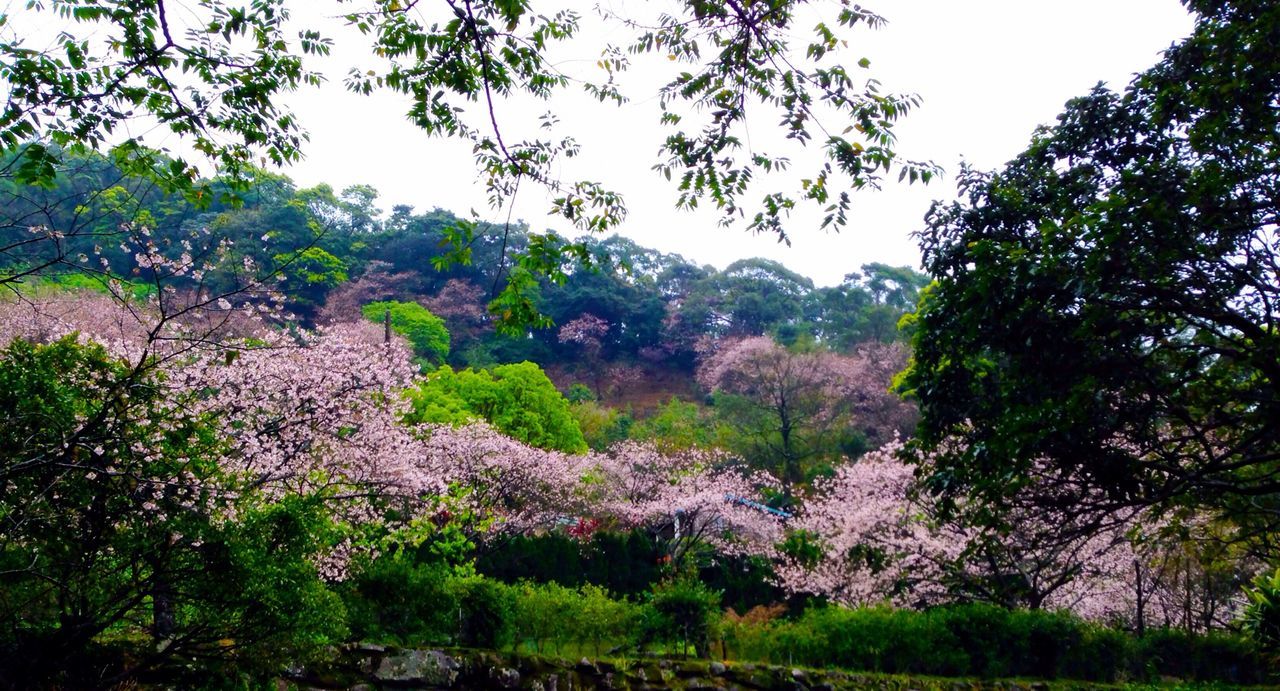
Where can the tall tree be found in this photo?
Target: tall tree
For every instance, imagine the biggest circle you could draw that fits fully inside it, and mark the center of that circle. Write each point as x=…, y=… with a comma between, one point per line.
x=798, y=408
x=1110, y=301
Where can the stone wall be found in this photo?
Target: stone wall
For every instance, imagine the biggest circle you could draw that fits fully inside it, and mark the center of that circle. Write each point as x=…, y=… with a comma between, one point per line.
x=370, y=668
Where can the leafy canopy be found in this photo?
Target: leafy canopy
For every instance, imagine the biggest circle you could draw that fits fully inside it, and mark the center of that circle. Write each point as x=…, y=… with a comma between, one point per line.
x=1109, y=302
x=424, y=330
x=518, y=400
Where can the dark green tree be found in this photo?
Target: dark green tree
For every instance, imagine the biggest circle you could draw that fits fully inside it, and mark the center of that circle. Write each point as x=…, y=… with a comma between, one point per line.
x=1108, y=304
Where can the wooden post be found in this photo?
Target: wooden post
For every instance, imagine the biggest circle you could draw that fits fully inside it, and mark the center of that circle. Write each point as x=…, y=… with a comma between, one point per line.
x=386, y=326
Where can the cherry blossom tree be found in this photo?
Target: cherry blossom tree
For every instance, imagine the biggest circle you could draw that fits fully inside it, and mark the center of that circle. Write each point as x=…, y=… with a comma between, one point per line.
x=127, y=505
x=860, y=539
x=317, y=413
x=868, y=535
x=798, y=407
x=300, y=413
x=461, y=304
x=690, y=498
x=343, y=303
x=587, y=333
x=509, y=486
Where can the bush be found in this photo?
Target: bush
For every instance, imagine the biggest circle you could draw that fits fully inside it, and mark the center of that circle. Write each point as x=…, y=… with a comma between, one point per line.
x=880, y=639
x=397, y=599
x=393, y=599
x=588, y=617
x=988, y=641
x=545, y=614
x=1101, y=655
x=1211, y=657
x=486, y=612
x=1262, y=616
x=687, y=613
x=601, y=618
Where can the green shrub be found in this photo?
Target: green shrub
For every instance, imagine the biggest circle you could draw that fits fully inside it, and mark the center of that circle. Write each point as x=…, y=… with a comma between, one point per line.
x=545, y=614
x=1209, y=657
x=602, y=618
x=1045, y=641
x=988, y=641
x=551, y=615
x=880, y=639
x=1101, y=654
x=392, y=599
x=486, y=612
x=687, y=613
x=1262, y=615
x=986, y=636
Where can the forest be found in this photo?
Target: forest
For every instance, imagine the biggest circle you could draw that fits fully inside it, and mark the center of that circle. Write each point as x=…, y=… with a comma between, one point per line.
x=248, y=427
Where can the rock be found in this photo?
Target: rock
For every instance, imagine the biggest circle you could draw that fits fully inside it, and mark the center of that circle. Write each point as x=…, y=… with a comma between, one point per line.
x=799, y=674
x=690, y=669
x=547, y=683
x=426, y=667
x=651, y=673
x=505, y=677
x=717, y=669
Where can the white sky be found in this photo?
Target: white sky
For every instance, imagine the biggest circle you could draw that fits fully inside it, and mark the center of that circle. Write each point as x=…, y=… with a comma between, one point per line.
x=989, y=72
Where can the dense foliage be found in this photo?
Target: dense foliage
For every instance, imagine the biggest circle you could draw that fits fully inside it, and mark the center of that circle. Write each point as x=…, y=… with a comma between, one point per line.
x=992, y=642
x=336, y=255
x=426, y=332
x=1107, y=303
x=518, y=400
x=114, y=524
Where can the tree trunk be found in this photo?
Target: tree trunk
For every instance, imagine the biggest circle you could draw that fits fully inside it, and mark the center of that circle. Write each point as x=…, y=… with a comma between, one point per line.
x=1140, y=623
x=164, y=620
